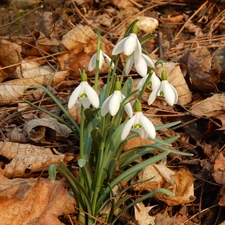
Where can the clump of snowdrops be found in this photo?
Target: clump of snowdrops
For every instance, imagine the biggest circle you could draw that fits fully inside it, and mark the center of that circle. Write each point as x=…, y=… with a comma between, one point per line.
x=103, y=131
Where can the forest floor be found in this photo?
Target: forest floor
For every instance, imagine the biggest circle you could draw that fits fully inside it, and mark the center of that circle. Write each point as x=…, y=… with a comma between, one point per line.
x=37, y=47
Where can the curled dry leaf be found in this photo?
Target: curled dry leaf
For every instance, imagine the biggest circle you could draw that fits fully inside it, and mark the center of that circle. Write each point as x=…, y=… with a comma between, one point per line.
x=33, y=201
x=212, y=106
x=175, y=74
x=180, y=182
x=147, y=24
x=26, y=159
x=36, y=128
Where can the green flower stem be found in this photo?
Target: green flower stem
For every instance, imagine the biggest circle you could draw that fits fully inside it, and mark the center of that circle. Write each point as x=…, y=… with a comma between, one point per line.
x=111, y=78
x=82, y=154
x=100, y=172
x=126, y=174
x=97, y=61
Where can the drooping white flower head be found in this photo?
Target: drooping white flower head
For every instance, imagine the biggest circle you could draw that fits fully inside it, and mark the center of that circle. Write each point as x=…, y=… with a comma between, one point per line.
x=154, y=81
x=129, y=45
x=140, y=123
x=164, y=89
x=102, y=58
x=112, y=103
x=141, y=66
x=85, y=93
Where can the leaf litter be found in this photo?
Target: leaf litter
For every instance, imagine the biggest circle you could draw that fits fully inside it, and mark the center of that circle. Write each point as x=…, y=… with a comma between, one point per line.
x=50, y=52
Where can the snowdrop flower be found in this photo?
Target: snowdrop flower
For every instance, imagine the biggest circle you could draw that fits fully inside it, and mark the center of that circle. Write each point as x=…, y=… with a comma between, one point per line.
x=112, y=103
x=154, y=80
x=140, y=123
x=85, y=93
x=141, y=66
x=164, y=89
x=129, y=45
x=102, y=58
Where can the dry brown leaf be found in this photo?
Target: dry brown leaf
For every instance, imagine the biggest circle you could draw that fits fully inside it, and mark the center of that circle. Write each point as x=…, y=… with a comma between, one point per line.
x=179, y=182
x=12, y=90
x=26, y=159
x=172, y=19
x=32, y=69
x=141, y=213
x=212, y=106
x=9, y=55
x=162, y=219
x=36, y=128
x=124, y=4
x=11, y=93
x=137, y=141
x=200, y=77
x=175, y=75
x=33, y=201
x=222, y=197
x=23, y=165
x=219, y=169
x=11, y=149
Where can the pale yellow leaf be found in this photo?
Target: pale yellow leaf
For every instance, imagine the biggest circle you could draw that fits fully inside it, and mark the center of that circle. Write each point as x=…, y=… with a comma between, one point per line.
x=141, y=213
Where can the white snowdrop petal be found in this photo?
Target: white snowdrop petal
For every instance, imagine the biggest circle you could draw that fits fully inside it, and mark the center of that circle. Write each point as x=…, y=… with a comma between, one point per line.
x=119, y=47
x=114, y=103
x=153, y=95
x=85, y=102
x=129, y=65
x=141, y=82
x=127, y=127
x=108, y=60
x=143, y=133
x=155, y=81
x=92, y=63
x=74, y=96
x=168, y=92
x=148, y=60
x=176, y=94
x=92, y=95
x=148, y=126
x=141, y=67
x=130, y=44
x=137, y=52
x=127, y=107
x=105, y=106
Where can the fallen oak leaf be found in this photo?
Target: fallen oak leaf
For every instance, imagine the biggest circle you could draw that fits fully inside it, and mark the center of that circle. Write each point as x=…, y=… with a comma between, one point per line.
x=26, y=159
x=33, y=201
x=212, y=106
